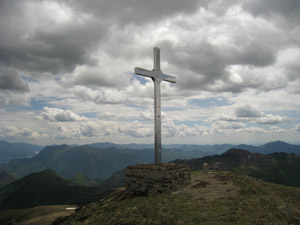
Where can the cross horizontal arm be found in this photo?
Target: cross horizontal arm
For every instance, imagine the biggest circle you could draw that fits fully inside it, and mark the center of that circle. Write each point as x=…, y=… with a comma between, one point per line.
x=169, y=78
x=143, y=72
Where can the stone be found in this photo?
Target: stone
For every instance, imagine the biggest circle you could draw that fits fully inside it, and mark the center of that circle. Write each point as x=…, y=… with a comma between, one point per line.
x=152, y=179
x=205, y=168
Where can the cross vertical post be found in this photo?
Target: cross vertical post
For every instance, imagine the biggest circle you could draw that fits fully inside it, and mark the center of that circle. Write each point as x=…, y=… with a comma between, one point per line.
x=157, y=76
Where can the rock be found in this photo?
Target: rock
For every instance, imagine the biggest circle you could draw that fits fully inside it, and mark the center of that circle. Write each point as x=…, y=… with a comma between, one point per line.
x=152, y=179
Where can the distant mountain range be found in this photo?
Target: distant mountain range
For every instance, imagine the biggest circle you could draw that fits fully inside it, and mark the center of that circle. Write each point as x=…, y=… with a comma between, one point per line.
x=99, y=161
x=276, y=146
x=48, y=188
x=92, y=162
x=9, y=151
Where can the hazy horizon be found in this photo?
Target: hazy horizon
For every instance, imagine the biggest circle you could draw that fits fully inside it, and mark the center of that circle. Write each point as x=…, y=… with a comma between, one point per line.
x=133, y=143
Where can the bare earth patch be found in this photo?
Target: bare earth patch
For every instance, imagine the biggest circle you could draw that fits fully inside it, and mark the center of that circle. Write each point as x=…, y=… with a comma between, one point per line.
x=209, y=186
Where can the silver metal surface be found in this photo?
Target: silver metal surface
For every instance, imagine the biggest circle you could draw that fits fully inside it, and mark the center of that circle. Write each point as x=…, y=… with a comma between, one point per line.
x=157, y=76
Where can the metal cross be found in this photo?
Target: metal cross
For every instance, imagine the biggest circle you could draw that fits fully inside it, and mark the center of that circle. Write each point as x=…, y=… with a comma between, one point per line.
x=157, y=76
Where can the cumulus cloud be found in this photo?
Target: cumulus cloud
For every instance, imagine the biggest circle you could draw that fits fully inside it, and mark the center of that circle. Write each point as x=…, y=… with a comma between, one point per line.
x=14, y=90
x=170, y=129
x=10, y=80
x=84, y=129
x=80, y=56
x=32, y=40
x=148, y=114
x=255, y=130
x=260, y=117
x=140, y=132
x=101, y=96
x=60, y=115
x=136, y=129
x=249, y=114
x=297, y=127
x=95, y=76
x=14, y=133
x=16, y=99
x=272, y=119
x=237, y=40
x=224, y=125
x=108, y=116
x=247, y=111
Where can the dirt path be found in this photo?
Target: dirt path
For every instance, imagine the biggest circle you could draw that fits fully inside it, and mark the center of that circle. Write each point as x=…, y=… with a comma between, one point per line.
x=40, y=215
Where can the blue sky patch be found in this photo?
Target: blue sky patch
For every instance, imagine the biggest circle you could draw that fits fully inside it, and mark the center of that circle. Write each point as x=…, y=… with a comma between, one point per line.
x=90, y=115
x=209, y=102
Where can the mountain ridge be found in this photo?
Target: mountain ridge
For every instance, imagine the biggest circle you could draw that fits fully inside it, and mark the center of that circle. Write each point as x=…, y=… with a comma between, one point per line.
x=279, y=167
x=94, y=163
x=5, y=178
x=47, y=188
x=98, y=163
x=18, y=150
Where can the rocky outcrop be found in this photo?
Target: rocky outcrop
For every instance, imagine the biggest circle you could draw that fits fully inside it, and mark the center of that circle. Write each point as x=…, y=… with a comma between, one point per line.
x=152, y=179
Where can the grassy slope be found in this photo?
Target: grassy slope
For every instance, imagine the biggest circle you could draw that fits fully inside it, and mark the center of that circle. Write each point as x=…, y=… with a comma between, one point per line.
x=81, y=180
x=46, y=188
x=283, y=173
x=5, y=178
x=213, y=198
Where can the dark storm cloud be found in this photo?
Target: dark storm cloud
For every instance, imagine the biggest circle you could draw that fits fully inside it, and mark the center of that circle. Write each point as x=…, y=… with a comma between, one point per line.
x=247, y=111
x=209, y=62
x=57, y=48
x=98, y=77
x=49, y=47
x=10, y=80
x=136, y=11
x=54, y=49
x=287, y=9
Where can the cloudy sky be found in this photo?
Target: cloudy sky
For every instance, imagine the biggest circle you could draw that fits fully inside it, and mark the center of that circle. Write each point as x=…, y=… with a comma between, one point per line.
x=66, y=70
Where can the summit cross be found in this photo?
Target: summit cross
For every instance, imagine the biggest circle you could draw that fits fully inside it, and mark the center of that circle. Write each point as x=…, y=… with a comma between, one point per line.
x=157, y=76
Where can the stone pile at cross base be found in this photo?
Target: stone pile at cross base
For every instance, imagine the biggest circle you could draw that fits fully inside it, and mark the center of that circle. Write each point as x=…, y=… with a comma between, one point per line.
x=152, y=179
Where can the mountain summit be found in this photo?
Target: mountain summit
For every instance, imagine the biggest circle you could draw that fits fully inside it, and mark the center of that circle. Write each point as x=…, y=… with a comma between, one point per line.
x=216, y=197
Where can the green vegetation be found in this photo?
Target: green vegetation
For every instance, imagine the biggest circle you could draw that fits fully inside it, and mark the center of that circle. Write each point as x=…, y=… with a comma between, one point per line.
x=279, y=168
x=115, y=180
x=281, y=173
x=81, y=180
x=5, y=178
x=47, y=188
x=222, y=198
